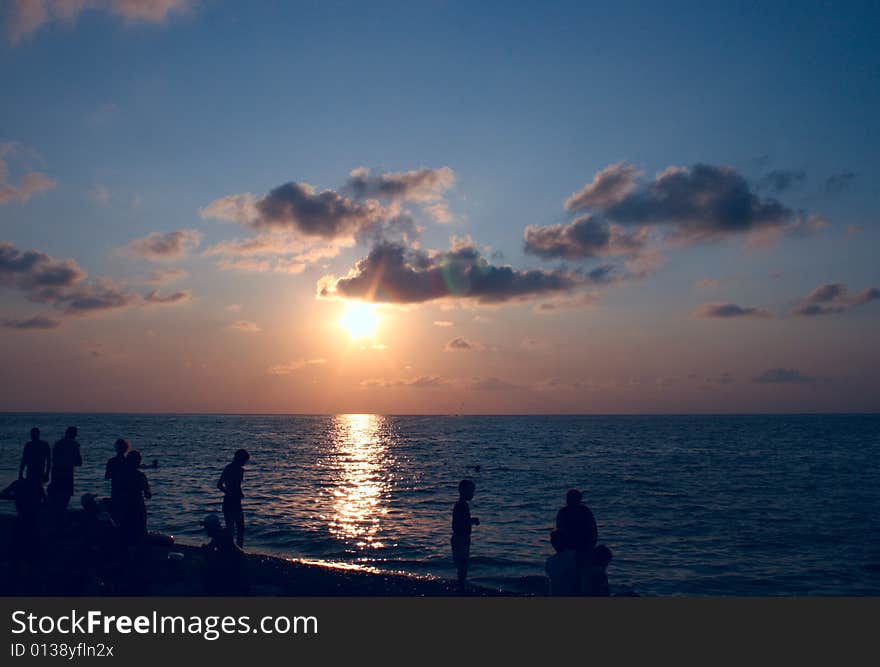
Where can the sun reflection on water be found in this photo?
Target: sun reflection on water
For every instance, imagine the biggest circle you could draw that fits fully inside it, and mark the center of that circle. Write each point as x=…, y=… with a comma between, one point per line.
x=360, y=479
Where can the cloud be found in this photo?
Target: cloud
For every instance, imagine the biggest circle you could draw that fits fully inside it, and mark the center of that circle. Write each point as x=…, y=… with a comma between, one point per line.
x=246, y=325
x=853, y=230
x=729, y=311
x=157, y=246
x=443, y=323
x=280, y=253
x=421, y=382
x=837, y=183
x=460, y=343
x=40, y=276
x=100, y=295
x=31, y=184
x=585, y=237
x=369, y=207
x=608, y=187
x=61, y=283
x=699, y=203
x=396, y=274
x=577, y=302
x=165, y=299
x=833, y=298
x=420, y=185
x=491, y=384
x=165, y=276
x=780, y=180
x=24, y=17
x=37, y=322
x=298, y=208
x=781, y=376
x=292, y=366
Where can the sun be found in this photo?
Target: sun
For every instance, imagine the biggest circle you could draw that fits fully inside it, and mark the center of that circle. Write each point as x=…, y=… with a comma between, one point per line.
x=360, y=320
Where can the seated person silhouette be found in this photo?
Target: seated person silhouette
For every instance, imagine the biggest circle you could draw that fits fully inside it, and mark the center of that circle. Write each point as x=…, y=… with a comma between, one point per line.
x=561, y=568
x=25, y=546
x=225, y=572
x=597, y=581
x=577, y=525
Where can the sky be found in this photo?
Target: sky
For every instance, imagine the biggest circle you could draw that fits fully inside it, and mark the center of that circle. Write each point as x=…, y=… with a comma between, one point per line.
x=439, y=207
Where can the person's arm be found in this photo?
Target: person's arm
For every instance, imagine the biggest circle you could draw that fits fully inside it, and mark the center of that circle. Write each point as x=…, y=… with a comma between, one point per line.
x=107, y=469
x=78, y=458
x=147, y=493
x=48, y=463
x=21, y=465
x=221, y=483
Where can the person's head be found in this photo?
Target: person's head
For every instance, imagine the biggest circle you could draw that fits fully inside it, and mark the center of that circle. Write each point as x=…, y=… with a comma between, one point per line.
x=71, y=432
x=466, y=489
x=241, y=457
x=602, y=555
x=121, y=446
x=212, y=526
x=557, y=541
x=89, y=502
x=573, y=497
x=133, y=459
x=35, y=433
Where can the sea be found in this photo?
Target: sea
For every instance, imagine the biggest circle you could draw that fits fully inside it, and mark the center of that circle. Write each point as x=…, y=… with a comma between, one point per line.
x=745, y=505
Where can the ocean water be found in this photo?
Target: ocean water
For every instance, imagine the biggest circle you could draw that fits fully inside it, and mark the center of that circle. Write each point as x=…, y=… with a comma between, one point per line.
x=689, y=505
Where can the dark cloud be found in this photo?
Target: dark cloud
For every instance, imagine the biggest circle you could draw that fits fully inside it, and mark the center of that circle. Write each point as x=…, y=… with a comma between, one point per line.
x=100, y=295
x=460, y=343
x=298, y=208
x=833, y=298
x=175, y=297
x=420, y=185
x=171, y=245
x=37, y=322
x=837, y=183
x=700, y=203
x=397, y=274
x=40, y=276
x=729, y=310
x=585, y=237
x=608, y=187
x=781, y=376
x=780, y=180
x=358, y=212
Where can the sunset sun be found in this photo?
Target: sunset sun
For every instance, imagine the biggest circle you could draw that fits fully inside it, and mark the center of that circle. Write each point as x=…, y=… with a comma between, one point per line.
x=360, y=320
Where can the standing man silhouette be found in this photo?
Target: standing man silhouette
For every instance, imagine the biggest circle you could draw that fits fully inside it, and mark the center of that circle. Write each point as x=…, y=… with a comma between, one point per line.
x=36, y=459
x=65, y=457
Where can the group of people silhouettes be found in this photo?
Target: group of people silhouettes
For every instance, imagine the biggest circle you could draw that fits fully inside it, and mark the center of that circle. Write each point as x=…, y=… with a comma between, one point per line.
x=114, y=530
x=111, y=531
x=579, y=566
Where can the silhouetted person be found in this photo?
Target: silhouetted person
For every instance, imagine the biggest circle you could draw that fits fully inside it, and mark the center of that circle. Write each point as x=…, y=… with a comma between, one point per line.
x=230, y=484
x=225, y=572
x=134, y=489
x=597, y=584
x=65, y=457
x=113, y=471
x=577, y=525
x=36, y=459
x=25, y=547
x=462, y=525
x=561, y=568
x=97, y=545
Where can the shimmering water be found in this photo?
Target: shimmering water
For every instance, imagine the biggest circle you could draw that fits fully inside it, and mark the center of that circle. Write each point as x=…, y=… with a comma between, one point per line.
x=699, y=505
